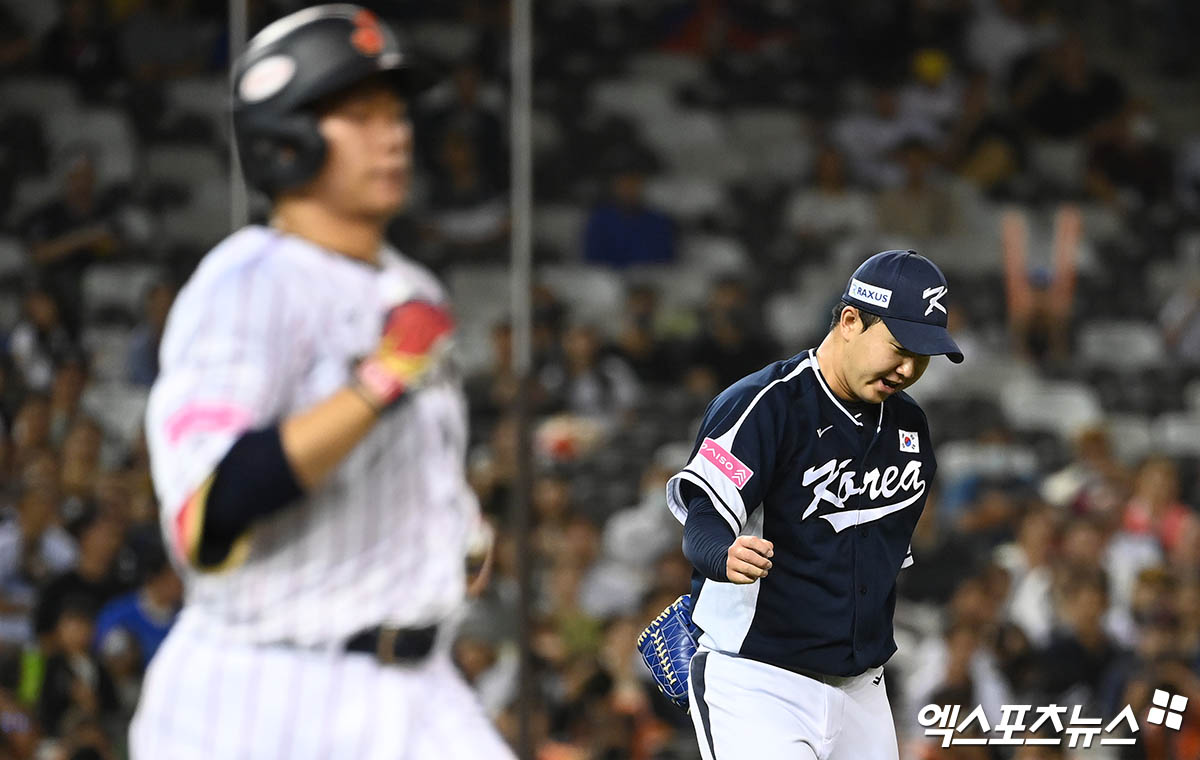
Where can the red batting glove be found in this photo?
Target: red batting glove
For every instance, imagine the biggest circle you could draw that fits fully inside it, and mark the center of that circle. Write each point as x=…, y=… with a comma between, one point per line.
x=416, y=335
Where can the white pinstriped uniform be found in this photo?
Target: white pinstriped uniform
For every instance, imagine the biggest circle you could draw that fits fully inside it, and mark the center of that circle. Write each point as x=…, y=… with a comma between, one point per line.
x=269, y=325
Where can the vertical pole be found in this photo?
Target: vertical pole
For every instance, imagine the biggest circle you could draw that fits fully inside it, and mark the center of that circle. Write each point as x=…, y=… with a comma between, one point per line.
x=522, y=325
x=239, y=207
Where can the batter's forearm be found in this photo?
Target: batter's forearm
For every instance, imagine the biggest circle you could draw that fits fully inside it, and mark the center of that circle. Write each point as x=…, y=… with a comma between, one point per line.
x=316, y=440
x=268, y=469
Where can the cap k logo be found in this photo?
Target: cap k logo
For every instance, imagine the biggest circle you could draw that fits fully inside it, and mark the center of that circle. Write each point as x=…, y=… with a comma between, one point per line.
x=934, y=296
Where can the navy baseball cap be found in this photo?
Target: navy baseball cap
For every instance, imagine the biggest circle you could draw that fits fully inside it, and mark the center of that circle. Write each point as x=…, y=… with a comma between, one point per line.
x=906, y=290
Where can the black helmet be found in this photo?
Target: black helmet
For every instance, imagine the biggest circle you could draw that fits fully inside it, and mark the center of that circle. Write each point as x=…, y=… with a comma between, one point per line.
x=294, y=62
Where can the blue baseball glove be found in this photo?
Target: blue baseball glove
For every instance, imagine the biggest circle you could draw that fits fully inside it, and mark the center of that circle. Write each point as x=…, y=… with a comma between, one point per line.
x=667, y=647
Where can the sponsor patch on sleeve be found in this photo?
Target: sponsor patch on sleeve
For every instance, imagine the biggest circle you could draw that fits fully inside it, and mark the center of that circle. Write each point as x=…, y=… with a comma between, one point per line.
x=729, y=465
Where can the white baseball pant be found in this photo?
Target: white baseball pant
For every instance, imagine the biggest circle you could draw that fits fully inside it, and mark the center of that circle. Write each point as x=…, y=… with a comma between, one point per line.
x=204, y=700
x=746, y=708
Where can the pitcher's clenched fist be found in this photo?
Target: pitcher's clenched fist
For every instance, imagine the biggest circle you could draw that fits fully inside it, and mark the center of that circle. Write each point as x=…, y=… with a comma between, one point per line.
x=748, y=559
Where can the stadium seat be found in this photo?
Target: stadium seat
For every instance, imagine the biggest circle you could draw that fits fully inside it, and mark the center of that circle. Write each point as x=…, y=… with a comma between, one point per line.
x=35, y=18
x=183, y=165
x=449, y=41
x=666, y=68
x=686, y=198
x=697, y=143
x=595, y=294
x=1132, y=436
x=14, y=261
x=1060, y=407
x=1124, y=344
x=49, y=98
x=109, y=132
x=119, y=408
x=108, y=348
x=1191, y=397
x=679, y=288
x=560, y=226
x=208, y=97
x=714, y=254
x=992, y=461
x=1059, y=162
x=1177, y=434
x=775, y=126
x=479, y=293
x=204, y=219
x=644, y=102
x=117, y=290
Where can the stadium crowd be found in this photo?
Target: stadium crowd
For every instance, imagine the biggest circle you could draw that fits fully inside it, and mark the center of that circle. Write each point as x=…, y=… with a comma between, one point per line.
x=707, y=174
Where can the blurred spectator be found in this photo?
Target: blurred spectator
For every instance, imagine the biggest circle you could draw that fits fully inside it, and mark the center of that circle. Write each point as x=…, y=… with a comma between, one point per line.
x=1128, y=167
x=958, y=661
x=492, y=390
x=1040, y=304
x=1158, y=663
x=470, y=214
x=985, y=145
x=466, y=115
x=622, y=230
x=164, y=39
x=31, y=432
x=1179, y=320
x=732, y=343
x=69, y=383
x=76, y=684
x=1093, y=483
x=145, y=615
x=81, y=460
x=1027, y=560
x=92, y=580
x=1079, y=650
x=81, y=46
x=40, y=341
x=921, y=208
x=1003, y=32
x=142, y=362
x=634, y=539
x=15, y=42
x=67, y=234
x=934, y=93
x=1064, y=97
x=1154, y=508
x=33, y=548
x=869, y=138
x=638, y=344
x=935, y=546
x=588, y=383
x=830, y=210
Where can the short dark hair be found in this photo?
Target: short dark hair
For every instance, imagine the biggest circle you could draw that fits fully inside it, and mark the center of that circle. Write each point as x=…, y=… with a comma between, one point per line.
x=867, y=317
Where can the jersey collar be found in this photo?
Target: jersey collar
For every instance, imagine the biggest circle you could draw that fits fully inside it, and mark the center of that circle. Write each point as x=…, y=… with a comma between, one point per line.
x=812, y=354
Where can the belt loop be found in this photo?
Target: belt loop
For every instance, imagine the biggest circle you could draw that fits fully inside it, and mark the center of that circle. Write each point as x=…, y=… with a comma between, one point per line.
x=385, y=650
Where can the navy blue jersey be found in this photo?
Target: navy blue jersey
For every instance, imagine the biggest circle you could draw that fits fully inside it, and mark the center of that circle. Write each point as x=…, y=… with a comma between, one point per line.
x=837, y=494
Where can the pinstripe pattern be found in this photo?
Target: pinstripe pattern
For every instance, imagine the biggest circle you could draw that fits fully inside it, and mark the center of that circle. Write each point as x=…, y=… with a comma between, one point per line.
x=271, y=325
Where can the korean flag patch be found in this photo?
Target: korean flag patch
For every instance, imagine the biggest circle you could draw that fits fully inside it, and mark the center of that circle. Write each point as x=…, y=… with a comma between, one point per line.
x=909, y=442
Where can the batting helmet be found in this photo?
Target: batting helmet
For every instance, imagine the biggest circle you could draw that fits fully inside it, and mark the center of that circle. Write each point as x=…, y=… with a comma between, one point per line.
x=295, y=62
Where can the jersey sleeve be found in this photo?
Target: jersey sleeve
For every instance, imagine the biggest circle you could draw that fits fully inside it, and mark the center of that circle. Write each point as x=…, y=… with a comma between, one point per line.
x=736, y=452
x=228, y=357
